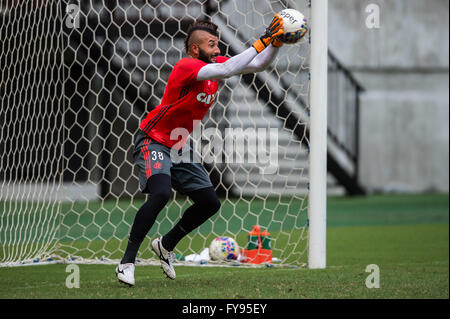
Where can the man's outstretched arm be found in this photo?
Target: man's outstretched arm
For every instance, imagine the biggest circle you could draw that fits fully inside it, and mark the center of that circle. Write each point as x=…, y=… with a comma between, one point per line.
x=262, y=60
x=254, y=59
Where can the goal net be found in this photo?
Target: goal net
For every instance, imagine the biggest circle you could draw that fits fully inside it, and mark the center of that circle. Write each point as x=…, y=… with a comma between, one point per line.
x=76, y=79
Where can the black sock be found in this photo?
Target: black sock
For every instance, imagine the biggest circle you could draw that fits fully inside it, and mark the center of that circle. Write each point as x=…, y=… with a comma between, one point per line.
x=130, y=252
x=160, y=188
x=206, y=204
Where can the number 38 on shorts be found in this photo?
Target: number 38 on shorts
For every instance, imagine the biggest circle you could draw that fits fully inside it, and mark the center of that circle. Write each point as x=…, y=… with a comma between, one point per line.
x=151, y=157
x=157, y=155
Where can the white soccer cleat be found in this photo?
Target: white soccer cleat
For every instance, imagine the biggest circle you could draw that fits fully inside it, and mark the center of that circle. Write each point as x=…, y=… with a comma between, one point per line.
x=166, y=257
x=125, y=273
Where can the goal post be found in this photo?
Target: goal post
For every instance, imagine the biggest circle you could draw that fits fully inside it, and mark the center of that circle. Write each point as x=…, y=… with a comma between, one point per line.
x=318, y=123
x=76, y=79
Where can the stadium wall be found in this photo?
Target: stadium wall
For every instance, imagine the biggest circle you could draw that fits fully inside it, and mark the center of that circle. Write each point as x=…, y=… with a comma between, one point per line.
x=404, y=65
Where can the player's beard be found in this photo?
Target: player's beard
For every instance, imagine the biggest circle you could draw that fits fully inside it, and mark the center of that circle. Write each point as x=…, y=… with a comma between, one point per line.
x=204, y=57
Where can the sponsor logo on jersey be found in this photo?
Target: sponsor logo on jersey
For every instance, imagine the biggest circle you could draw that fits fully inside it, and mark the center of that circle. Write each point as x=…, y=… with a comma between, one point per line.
x=205, y=98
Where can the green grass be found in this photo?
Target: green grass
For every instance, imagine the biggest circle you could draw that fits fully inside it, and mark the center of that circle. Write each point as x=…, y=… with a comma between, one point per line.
x=406, y=236
x=411, y=266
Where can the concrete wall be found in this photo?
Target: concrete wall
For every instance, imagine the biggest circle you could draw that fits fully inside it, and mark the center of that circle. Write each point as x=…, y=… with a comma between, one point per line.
x=404, y=67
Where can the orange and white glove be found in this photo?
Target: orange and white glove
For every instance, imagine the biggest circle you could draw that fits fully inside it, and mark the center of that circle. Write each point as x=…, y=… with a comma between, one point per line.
x=277, y=43
x=274, y=29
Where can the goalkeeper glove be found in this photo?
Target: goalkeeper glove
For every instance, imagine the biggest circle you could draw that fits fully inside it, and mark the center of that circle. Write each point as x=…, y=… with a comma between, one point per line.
x=277, y=43
x=275, y=28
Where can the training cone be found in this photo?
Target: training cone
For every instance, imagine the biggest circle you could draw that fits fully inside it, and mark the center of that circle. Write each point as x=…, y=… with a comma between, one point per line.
x=258, y=249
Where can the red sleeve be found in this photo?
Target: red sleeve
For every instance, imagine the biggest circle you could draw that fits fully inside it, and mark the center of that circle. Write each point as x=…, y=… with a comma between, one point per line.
x=187, y=69
x=221, y=59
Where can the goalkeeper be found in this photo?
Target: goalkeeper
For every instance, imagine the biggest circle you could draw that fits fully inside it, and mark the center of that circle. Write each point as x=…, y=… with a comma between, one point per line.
x=190, y=90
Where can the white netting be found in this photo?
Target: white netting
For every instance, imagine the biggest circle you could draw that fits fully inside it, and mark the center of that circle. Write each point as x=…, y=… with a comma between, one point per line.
x=77, y=79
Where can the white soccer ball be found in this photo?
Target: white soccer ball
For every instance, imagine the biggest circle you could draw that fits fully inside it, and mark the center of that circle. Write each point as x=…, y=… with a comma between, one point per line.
x=294, y=26
x=223, y=248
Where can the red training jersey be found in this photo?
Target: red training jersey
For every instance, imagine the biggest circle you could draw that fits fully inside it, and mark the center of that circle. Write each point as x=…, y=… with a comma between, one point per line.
x=185, y=100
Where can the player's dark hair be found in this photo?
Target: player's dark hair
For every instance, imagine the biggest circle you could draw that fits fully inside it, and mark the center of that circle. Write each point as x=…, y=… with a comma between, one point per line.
x=204, y=25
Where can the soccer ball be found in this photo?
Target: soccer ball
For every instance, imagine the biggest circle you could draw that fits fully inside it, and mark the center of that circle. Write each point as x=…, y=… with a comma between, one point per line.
x=294, y=26
x=223, y=248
